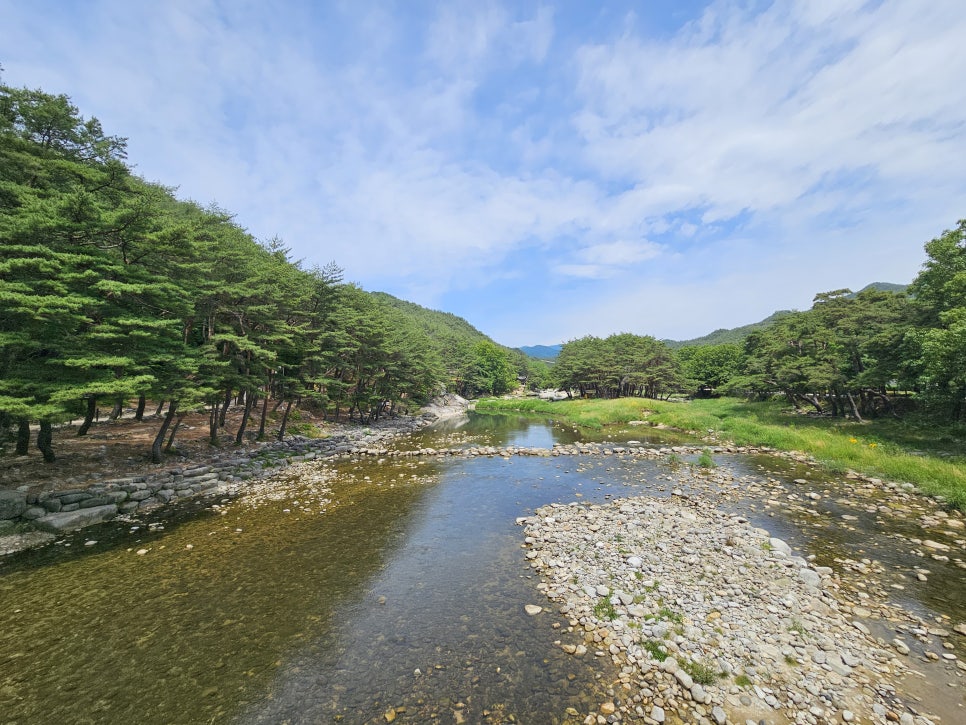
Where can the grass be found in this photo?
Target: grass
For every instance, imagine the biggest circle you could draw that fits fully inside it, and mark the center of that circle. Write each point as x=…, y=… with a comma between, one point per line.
x=670, y=615
x=705, y=460
x=743, y=681
x=928, y=456
x=653, y=648
x=604, y=610
x=704, y=673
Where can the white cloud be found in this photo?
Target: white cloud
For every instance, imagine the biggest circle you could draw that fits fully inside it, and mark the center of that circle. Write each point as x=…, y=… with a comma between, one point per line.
x=423, y=150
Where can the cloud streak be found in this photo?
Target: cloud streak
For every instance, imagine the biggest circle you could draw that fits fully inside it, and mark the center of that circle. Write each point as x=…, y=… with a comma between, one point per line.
x=582, y=165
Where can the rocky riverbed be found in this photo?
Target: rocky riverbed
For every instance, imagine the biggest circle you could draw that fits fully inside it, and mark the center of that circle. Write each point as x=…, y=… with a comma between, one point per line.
x=32, y=515
x=710, y=619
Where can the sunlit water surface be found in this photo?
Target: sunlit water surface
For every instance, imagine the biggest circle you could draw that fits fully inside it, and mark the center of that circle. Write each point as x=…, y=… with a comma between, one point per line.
x=407, y=593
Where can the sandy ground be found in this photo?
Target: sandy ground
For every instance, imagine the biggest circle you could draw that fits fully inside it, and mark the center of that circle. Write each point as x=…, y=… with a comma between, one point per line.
x=122, y=447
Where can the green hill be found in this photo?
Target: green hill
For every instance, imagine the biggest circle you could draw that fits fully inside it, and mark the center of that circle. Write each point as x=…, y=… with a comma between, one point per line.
x=735, y=334
x=440, y=326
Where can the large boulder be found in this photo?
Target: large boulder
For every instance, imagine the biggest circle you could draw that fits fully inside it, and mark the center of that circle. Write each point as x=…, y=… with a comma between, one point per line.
x=72, y=520
x=12, y=504
x=445, y=406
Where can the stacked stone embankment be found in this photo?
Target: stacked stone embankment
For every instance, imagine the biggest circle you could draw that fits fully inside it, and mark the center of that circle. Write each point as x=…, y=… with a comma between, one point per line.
x=28, y=518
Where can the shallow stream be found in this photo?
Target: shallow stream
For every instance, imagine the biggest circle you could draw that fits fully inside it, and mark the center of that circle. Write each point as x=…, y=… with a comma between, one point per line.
x=398, y=595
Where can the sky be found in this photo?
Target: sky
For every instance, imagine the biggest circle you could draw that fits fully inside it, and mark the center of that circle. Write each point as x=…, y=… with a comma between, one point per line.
x=546, y=170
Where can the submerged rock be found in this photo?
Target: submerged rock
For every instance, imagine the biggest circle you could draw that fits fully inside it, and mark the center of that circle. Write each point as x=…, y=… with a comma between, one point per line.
x=72, y=520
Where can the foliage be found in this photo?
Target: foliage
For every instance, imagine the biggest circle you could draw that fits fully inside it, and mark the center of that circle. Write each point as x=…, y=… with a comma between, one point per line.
x=617, y=366
x=702, y=672
x=112, y=289
x=840, y=357
x=604, y=610
x=705, y=460
x=936, y=347
x=711, y=366
x=655, y=649
x=906, y=451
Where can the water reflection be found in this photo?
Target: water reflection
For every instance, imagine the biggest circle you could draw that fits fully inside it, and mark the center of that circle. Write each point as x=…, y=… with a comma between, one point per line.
x=298, y=616
x=442, y=629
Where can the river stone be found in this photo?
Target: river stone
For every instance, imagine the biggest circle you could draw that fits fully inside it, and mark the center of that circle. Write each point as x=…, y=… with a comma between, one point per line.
x=810, y=577
x=72, y=520
x=34, y=512
x=73, y=497
x=779, y=545
x=95, y=501
x=657, y=714
x=53, y=505
x=532, y=609
x=12, y=504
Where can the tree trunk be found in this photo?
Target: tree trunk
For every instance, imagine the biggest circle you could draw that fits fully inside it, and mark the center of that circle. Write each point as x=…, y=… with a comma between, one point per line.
x=174, y=429
x=117, y=409
x=44, y=438
x=249, y=402
x=159, y=438
x=814, y=401
x=23, y=437
x=160, y=408
x=88, y=416
x=224, y=409
x=213, y=424
x=281, y=430
x=139, y=413
x=261, y=423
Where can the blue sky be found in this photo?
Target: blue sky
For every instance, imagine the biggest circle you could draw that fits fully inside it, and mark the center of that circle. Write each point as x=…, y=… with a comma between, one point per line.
x=545, y=170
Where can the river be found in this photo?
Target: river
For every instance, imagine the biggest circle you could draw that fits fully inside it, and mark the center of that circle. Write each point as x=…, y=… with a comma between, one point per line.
x=378, y=590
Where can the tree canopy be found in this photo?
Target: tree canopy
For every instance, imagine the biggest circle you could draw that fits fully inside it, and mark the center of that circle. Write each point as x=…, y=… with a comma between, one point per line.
x=113, y=289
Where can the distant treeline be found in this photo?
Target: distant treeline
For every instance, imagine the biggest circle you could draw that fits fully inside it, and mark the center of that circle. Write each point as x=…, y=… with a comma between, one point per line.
x=849, y=355
x=114, y=290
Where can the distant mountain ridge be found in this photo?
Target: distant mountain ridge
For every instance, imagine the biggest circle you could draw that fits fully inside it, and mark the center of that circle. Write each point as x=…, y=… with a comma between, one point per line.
x=733, y=335
x=720, y=336
x=541, y=352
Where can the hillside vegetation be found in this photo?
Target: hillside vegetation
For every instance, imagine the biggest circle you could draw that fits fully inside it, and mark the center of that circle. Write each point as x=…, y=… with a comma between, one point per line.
x=112, y=289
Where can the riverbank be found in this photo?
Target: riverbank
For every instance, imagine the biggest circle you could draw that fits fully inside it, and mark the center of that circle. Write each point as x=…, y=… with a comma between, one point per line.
x=95, y=483
x=711, y=620
x=931, y=460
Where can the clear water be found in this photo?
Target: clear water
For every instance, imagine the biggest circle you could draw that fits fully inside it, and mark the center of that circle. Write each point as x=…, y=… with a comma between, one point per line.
x=408, y=593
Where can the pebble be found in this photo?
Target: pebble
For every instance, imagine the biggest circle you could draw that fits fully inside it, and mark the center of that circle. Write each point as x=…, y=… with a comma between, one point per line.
x=717, y=595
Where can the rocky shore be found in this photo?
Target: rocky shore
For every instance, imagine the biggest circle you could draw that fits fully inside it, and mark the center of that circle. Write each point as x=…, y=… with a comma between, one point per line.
x=30, y=518
x=709, y=619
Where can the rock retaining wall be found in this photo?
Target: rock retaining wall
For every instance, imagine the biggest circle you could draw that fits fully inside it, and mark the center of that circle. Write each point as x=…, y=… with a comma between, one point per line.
x=57, y=512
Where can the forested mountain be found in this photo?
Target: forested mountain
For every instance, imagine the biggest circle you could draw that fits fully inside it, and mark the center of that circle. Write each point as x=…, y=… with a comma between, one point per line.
x=883, y=287
x=474, y=363
x=541, y=352
x=734, y=335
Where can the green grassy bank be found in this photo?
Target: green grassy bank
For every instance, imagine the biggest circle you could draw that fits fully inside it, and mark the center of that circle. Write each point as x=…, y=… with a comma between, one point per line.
x=929, y=457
